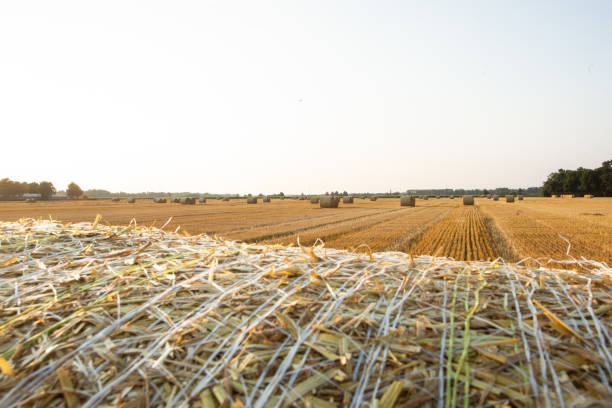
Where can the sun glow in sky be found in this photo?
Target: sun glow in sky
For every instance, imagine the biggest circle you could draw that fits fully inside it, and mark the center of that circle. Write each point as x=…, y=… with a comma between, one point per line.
x=309, y=96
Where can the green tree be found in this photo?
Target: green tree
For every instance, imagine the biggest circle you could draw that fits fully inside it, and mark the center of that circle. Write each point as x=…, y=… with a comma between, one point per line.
x=74, y=191
x=46, y=190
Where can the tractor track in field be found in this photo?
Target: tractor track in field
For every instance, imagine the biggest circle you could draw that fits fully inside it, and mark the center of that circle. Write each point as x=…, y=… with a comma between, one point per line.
x=466, y=234
x=276, y=236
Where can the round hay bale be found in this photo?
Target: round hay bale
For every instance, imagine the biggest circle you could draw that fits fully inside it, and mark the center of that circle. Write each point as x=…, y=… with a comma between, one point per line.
x=509, y=198
x=161, y=201
x=116, y=200
x=132, y=200
x=496, y=198
x=373, y=198
x=452, y=197
x=225, y=199
x=202, y=201
x=329, y=202
x=407, y=201
x=188, y=200
x=252, y=200
x=520, y=198
x=266, y=199
x=364, y=197
x=468, y=200
x=314, y=200
x=585, y=196
x=347, y=200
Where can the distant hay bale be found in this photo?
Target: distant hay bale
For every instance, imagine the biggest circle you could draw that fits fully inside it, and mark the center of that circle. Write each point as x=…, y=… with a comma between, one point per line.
x=252, y=200
x=520, y=198
x=468, y=200
x=314, y=200
x=116, y=200
x=132, y=200
x=588, y=196
x=451, y=196
x=364, y=197
x=329, y=202
x=225, y=199
x=556, y=196
x=176, y=200
x=373, y=198
x=30, y=200
x=266, y=199
x=347, y=200
x=509, y=198
x=567, y=196
x=160, y=201
x=407, y=201
x=495, y=197
x=188, y=200
x=202, y=201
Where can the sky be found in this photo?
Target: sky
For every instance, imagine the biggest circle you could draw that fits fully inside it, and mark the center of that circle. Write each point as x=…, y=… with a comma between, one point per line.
x=303, y=96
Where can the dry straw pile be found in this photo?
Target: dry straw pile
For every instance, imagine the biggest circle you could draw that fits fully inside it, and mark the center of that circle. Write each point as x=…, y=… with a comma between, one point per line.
x=407, y=201
x=134, y=317
x=468, y=200
x=329, y=202
x=252, y=200
x=373, y=198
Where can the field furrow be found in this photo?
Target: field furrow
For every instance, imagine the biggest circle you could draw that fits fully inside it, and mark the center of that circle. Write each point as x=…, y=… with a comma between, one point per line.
x=462, y=234
x=395, y=234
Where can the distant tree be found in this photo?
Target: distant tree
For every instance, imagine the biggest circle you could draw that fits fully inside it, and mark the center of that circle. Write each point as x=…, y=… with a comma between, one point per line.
x=33, y=188
x=74, y=191
x=344, y=193
x=46, y=190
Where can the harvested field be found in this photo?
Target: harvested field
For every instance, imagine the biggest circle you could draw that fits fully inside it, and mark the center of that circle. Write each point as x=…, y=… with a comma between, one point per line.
x=462, y=234
x=545, y=232
x=532, y=227
x=94, y=315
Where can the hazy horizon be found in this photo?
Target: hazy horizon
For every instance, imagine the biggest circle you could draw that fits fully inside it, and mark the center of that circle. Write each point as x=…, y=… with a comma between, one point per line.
x=262, y=97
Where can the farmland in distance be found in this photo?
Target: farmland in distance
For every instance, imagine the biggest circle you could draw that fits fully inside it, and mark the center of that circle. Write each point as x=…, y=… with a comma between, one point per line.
x=535, y=227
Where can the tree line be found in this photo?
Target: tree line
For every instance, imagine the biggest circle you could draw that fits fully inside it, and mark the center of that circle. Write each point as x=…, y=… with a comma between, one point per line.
x=12, y=189
x=580, y=181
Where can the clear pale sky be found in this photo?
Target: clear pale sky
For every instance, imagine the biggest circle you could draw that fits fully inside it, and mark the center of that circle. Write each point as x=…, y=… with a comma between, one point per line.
x=306, y=96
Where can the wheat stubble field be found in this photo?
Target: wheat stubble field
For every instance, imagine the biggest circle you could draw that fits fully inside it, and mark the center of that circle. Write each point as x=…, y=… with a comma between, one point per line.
x=534, y=227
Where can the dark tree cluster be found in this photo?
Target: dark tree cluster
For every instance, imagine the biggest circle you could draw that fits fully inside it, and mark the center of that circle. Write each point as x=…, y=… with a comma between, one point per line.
x=11, y=189
x=580, y=181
